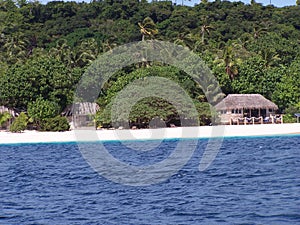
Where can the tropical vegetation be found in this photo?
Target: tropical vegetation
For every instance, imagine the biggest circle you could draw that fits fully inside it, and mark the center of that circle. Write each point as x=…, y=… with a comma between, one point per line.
x=46, y=48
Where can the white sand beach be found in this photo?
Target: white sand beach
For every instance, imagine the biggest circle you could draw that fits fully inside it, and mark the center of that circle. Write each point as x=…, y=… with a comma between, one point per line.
x=150, y=134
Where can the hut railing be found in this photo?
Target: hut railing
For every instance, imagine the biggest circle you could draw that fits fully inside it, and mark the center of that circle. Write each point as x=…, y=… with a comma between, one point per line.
x=256, y=120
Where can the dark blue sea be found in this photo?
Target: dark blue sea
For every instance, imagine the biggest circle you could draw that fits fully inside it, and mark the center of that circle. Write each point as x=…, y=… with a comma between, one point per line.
x=251, y=181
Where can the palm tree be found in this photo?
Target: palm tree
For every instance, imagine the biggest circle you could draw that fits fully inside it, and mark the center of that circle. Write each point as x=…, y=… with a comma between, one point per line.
x=230, y=63
x=38, y=52
x=185, y=39
x=87, y=52
x=263, y=28
x=108, y=44
x=205, y=29
x=15, y=48
x=148, y=28
x=62, y=52
x=270, y=56
x=257, y=32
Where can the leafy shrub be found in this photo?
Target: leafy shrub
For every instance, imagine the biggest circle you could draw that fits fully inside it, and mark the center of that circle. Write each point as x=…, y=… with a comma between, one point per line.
x=288, y=118
x=58, y=123
x=42, y=109
x=292, y=109
x=20, y=123
x=4, y=117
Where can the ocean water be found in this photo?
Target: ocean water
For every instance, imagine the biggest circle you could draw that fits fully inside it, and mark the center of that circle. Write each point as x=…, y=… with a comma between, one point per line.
x=251, y=181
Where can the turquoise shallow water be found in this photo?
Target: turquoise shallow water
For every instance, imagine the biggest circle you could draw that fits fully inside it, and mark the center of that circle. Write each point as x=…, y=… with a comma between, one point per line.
x=251, y=181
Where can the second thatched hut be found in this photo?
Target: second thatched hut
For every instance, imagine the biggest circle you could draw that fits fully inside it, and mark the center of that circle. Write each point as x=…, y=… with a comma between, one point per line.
x=82, y=114
x=242, y=106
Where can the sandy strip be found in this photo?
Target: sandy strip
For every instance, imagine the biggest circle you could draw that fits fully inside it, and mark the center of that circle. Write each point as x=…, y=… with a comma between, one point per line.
x=150, y=134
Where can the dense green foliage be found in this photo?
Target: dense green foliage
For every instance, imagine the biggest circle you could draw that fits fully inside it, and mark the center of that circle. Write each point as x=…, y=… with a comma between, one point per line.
x=37, y=77
x=4, y=117
x=44, y=49
x=20, y=123
x=57, y=123
x=42, y=110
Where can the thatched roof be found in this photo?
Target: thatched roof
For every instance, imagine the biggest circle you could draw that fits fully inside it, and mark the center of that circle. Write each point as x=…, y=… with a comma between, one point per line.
x=245, y=101
x=81, y=108
x=4, y=109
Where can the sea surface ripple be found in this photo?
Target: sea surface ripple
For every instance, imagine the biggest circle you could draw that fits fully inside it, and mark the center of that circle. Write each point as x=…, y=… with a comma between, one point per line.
x=251, y=181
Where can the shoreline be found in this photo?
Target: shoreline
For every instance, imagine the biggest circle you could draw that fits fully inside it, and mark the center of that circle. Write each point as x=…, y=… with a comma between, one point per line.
x=31, y=137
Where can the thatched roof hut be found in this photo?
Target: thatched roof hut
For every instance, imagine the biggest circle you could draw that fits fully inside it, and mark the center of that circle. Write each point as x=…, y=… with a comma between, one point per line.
x=4, y=109
x=245, y=101
x=81, y=108
x=238, y=107
x=82, y=114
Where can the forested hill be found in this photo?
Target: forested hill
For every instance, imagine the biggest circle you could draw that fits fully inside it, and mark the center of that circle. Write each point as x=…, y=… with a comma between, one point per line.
x=250, y=48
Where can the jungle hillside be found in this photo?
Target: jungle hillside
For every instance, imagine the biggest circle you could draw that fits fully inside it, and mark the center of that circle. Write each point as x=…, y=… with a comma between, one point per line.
x=46, y=48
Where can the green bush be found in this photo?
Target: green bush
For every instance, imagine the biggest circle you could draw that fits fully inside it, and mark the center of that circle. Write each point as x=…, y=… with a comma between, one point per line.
x=20, y=123
x=292, y=109
x=41, y=110
x=4, y=117
x=288, y=118
x=57, y=123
